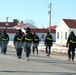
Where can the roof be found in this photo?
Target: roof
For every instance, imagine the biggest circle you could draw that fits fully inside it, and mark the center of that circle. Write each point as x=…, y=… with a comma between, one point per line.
x=25, y=25
x=20, y=25
x=52, y=27
x=9, y=30
x=71, y=23
x=13, y=30
x=11, y=24
x=42, y=31
x=32, y=30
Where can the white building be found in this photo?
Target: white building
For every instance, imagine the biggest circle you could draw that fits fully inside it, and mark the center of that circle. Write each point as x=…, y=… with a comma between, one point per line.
x=40, y=32
x=63, y=30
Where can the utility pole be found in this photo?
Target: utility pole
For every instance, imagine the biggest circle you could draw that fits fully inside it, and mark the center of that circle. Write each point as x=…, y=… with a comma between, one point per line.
x=49, y=16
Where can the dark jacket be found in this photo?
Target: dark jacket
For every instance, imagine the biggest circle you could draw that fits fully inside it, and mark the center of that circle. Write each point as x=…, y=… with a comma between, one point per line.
x=36, y=39
x=4, y=38
x=17, y=39
x=28, y=37
x=48, y=39
x=71, y=41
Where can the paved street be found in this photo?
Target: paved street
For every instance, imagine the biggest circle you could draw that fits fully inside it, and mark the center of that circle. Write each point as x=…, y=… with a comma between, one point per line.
x=37, y=65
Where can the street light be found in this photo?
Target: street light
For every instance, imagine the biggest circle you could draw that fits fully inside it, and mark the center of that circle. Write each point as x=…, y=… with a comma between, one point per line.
x=7, y=24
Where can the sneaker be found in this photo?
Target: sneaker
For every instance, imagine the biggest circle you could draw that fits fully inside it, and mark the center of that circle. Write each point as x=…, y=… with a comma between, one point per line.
x=4, y=53
x=48, y=55
x=72, y=59
x=27, y=59
x=69, y=59
x=33, y=53
x=37, y=53
x=19, y=57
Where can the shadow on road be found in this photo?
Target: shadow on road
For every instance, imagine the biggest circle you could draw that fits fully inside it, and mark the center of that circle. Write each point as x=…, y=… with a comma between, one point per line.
x=52, y=60
x=59, y=73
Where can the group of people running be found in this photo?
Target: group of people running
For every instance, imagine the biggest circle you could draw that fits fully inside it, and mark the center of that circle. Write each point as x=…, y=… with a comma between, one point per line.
x=25, y=41
x=28, y=39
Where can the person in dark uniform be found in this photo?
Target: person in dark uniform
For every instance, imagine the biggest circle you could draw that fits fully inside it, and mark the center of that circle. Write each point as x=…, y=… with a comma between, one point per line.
x=4, y=41
x=0, y=43
x=71, y=42
x=28, y=39
x=48, y=43
x=35, y=43
x=18, y=43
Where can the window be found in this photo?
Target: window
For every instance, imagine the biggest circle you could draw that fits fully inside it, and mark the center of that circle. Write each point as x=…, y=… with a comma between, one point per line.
x=65, y=35
x=42, y=36
x=57, y=35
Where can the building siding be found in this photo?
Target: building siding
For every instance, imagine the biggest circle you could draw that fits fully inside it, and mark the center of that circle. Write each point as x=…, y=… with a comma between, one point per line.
x=61, y=28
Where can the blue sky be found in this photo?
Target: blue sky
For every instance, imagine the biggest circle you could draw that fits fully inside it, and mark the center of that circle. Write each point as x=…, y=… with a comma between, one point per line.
x=37, y=10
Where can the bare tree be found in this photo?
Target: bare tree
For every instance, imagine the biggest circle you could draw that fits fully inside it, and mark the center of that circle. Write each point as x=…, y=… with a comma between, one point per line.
x=30, y=21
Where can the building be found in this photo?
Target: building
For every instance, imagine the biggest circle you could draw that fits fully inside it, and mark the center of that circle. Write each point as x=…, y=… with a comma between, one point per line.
x=9, y=29
x=63, y=30
x=40, y=32
x=12, y=27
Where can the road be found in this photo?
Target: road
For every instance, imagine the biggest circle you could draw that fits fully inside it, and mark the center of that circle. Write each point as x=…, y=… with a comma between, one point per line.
x=37, y=65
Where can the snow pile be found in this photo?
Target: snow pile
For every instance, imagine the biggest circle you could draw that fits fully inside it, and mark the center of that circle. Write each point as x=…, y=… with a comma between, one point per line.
x=42, y=47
